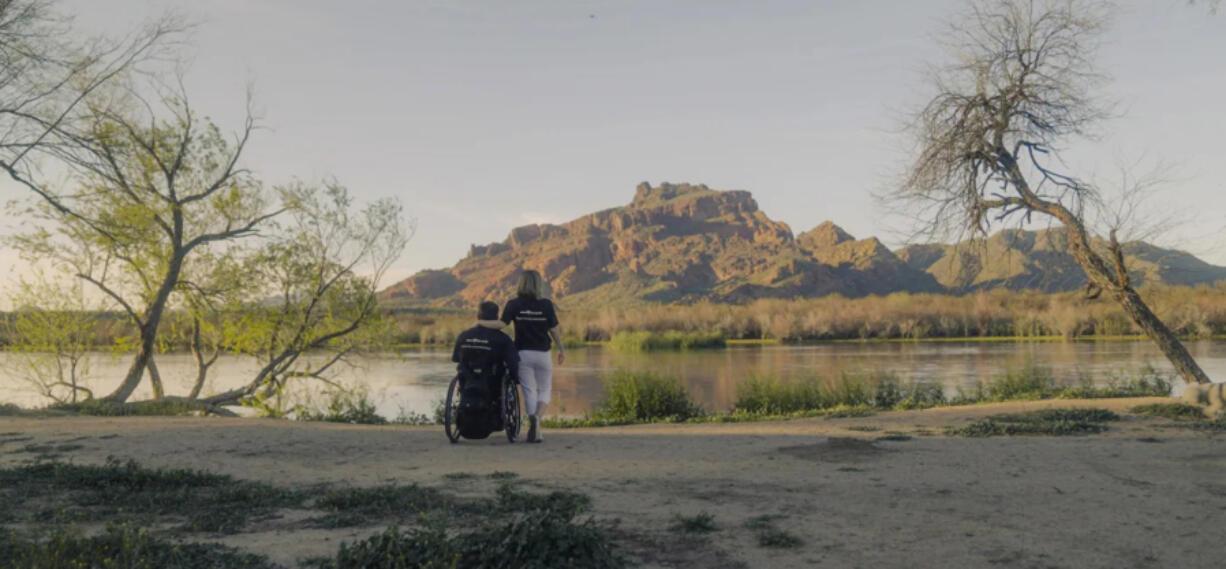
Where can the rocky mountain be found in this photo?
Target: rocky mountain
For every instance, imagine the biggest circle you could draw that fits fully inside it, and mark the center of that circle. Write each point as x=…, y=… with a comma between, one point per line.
x=1039, y=260
x=684, y=243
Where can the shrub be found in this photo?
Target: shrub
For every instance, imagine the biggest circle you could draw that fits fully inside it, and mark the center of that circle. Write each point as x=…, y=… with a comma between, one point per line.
x=644, y=396
x=426, y=548
x=352, y=406
x=643, y=341
x=9, y=410
x=770, y=396
x=1029, y=382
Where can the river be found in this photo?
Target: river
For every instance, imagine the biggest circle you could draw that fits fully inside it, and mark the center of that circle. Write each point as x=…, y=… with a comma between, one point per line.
x=413, y=380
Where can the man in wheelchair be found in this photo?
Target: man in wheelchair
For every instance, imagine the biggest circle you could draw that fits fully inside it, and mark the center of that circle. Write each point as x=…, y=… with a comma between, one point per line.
x=484, y=355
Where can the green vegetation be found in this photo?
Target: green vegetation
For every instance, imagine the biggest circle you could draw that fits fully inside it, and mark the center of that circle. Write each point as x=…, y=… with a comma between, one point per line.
x=1032, y=382
x=531, y=531
x=510, y=500
x=1217, y=425
x=643, y=341
x=699, y=523
x=771, y=396
x=9, y=410
x=775, y=537
x=120, y=547
x=190, y=500
x=352, y=406
x=349, y=507
x=769, y=535
x=1052, y=422
x=141, y=506
x=1176, y=411
x=103, y=408
x=644, y=397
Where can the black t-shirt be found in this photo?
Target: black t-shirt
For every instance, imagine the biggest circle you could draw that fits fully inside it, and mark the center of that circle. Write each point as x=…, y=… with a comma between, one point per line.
x=482, y=348
x=533, y=318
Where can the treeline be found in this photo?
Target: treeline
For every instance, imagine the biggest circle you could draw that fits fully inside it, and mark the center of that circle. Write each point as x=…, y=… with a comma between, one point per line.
x=1198, y=312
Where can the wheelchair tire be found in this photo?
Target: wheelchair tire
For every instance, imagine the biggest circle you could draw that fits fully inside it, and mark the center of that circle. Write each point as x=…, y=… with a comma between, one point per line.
x=512, y=420
x=452, y=406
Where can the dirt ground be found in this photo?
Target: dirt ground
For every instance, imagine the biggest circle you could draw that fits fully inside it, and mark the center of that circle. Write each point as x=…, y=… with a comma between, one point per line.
x=1140, y=495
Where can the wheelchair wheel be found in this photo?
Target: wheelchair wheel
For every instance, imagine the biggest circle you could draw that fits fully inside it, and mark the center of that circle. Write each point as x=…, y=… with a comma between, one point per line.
x=511, y=418
x=451, y=407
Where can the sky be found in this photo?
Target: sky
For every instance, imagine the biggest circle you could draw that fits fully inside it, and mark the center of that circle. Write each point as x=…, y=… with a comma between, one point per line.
x=481, y=116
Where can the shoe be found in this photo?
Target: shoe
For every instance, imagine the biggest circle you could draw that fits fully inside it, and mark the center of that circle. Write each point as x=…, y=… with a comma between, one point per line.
x=534, y=435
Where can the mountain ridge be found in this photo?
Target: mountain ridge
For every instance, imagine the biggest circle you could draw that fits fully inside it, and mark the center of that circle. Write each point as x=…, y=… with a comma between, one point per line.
x=686, y=243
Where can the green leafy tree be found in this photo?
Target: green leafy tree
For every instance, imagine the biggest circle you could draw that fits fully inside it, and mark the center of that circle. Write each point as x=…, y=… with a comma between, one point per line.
x=152, y=191
x=318, y=275
x=51, y=335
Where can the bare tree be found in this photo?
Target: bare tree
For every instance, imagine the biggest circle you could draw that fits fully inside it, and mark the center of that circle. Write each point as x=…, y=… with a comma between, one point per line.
x=1022, y=84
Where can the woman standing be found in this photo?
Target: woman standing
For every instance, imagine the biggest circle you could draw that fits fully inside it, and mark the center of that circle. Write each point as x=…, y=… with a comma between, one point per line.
x=536, y=330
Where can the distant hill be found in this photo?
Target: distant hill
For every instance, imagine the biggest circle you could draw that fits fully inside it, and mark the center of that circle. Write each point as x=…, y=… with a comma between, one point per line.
x=1039, y=260
x=684, y=243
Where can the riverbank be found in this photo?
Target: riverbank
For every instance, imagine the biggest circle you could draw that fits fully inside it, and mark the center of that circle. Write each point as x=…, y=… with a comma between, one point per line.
x=887, y=490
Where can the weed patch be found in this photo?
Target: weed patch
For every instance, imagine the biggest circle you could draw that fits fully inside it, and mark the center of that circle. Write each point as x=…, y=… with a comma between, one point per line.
x=775, y=537
x=120, y=547
x=352, y=406
x=538, y=537
x=1215, y=426
x=348, y=507
x=1174, y=411
x=1050, y=422
x=199, y=501
x=702, y=522
x=1033, y=382
x=100, y=408
x=510, y=500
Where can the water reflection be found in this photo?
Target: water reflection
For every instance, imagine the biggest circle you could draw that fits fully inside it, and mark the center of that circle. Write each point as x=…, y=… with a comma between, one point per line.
x=414, y=380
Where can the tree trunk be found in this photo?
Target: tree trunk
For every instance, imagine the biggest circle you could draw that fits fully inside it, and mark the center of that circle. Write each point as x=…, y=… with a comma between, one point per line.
x=1170, y=345
x=155, y=379
x=1101, y=275
x=149, y=331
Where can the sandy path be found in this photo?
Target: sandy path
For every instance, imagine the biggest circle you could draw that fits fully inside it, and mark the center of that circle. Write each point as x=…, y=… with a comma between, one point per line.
x=1138, y=496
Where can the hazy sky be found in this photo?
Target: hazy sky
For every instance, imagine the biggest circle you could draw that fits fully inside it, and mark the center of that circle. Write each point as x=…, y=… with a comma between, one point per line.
x=482, y=116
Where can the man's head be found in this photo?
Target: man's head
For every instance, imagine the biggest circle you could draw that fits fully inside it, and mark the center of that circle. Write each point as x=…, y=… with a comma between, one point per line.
x=487, y=311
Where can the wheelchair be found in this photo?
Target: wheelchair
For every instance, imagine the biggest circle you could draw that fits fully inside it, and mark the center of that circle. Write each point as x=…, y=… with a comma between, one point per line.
x=498, y=407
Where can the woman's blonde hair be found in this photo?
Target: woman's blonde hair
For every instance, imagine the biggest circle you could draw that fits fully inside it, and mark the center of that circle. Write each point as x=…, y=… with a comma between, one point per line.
x=531, y=284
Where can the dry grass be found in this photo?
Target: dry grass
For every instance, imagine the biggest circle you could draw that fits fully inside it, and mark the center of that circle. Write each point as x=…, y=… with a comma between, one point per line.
x=1190, y=312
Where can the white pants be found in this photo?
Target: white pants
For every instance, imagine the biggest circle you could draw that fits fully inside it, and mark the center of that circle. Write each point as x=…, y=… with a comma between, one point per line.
x=536, y=377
